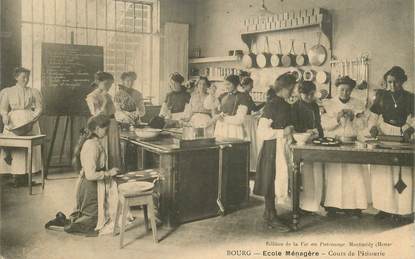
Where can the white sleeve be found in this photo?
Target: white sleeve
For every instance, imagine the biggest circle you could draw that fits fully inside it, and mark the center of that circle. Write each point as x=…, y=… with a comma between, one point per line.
x=266, y=132
x=89, y=156
x=211, y=103
x=141, y=107
x=239, y=117
x=187, y=113
x=329, y=119
x=410, y=122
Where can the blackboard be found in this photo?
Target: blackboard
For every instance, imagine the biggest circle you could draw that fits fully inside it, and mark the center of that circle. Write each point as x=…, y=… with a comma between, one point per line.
x=67, y=73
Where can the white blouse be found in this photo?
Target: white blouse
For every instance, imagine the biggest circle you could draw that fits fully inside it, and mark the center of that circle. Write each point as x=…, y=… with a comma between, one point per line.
x=93, y=158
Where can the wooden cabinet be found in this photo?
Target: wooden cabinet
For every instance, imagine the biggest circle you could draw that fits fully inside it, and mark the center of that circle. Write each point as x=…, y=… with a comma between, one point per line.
x=188, y=186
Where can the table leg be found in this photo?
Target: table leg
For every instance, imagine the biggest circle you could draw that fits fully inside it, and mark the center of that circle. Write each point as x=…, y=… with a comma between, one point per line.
x=29, y=168
x=295, y=195
x=42, y=168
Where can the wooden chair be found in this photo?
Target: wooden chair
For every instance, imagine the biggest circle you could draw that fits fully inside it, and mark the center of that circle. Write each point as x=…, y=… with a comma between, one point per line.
x=135, y=197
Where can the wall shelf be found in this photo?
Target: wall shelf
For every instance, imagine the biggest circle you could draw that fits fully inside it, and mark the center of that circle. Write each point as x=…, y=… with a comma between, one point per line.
x=211, y=78
x=323, y=21
x=214, y=59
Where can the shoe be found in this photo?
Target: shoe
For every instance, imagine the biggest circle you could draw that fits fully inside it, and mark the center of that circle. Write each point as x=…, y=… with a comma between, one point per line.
x=332, y=214
x=277, y=226
x=59, y=221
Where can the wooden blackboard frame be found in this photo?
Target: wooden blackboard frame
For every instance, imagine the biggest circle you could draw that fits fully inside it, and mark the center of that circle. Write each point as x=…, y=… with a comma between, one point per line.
x=67, y=73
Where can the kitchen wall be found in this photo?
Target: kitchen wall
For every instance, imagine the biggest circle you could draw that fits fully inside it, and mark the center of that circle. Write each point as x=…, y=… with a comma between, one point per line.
x=382, y=28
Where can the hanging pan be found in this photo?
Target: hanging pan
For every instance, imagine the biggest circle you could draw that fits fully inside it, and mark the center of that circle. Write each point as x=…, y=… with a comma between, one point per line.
x=302, y=60
x=263, y=59
x=249, y=59
x=288, y=60
x=297, y=73
x=318, y=53
x=276, y=58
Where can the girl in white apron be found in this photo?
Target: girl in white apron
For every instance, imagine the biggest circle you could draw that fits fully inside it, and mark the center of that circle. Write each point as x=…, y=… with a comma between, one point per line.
x=306, y=117
x=197, y=112
x=345, y=183
x=24, y=104
x=176, y=100
x=392, y=113
x=251, y=120
x=233, y=109
x=274, y=130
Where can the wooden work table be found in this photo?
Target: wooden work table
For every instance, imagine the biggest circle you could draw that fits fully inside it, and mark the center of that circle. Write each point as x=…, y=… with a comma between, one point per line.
x=189, y=177
x=342, y=154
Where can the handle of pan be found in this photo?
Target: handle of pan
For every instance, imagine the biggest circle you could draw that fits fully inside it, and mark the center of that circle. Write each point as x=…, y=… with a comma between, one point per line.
x=279, y=44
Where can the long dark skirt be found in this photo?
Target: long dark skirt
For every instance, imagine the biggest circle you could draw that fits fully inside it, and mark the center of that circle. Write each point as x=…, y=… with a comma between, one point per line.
x=84, y=219
x=265, y=172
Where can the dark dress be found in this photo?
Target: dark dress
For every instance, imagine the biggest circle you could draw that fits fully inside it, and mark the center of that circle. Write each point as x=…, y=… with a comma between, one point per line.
x=229, y=102
x=306, y=116
x=384, y=105
x=252, y=106
x=279, y=111
x=176, y=101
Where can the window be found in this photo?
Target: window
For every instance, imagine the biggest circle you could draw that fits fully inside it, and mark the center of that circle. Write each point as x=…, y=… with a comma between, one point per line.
x=126, y=29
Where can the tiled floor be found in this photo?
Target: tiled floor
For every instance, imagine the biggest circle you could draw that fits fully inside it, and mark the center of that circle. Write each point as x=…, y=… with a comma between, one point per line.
x=23, y=234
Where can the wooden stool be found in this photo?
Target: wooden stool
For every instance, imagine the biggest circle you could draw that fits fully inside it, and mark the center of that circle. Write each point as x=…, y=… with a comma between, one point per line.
x=134, y=197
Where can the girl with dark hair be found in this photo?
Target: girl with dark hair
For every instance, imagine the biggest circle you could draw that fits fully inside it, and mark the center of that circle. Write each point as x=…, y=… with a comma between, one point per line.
x=345, y=183
x=129, y=104
x=90, y=157
x=233, y=108
x=176, y=100
x=100, y=103
x=392, y=113
x=306, y=117
x=20, y=105
x=275, y=132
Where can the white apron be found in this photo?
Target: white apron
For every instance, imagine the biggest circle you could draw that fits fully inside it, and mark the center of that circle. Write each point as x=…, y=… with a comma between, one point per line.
x=251, y=124
x=383, y=178
x=312, y=186
x=345, y=183
x=202, y=120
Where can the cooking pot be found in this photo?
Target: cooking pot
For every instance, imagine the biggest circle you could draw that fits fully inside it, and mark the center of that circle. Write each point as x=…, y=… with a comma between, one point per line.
x=302, y=60
x=264, y=59
x=276, y=58
x=288, y=59
x=249, y=59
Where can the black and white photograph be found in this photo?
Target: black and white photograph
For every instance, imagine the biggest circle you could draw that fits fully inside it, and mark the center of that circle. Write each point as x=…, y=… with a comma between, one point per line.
x=158, y=129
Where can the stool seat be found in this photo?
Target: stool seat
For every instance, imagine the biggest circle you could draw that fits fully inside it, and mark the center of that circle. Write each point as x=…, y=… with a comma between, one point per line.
x=135, y=188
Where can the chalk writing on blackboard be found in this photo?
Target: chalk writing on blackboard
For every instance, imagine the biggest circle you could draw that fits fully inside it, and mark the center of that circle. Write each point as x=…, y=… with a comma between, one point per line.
x=67, y=73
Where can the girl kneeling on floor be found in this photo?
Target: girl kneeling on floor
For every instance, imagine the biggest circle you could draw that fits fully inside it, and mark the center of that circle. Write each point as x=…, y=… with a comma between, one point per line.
x=96, y=191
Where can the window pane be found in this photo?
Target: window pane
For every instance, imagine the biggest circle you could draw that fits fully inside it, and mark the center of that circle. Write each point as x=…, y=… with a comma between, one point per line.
x=27, y=10
x=49, y=11
x=110, y=15
x=60, y=12
x=92, y=13
x=38, y=11
x=81, y=13
x=70, y=13
x=80, y=37
x=27, y=45
x=49, y=33
x=101, y=13
x=120, y=15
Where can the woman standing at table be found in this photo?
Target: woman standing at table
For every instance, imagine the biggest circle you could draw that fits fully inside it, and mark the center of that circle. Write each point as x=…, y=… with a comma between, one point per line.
x=129, y=104
x=100, y=102
x=274, y=129
x=251, y=120
x=21, y=103
x=197, y=112
x=306, y=117
x=392, y=113
x=345, y=183
x=175, y=103
x=233, y=108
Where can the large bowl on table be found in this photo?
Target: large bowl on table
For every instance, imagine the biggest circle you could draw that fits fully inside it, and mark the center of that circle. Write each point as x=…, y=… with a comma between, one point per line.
x=302, y=138
x=147, y=133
